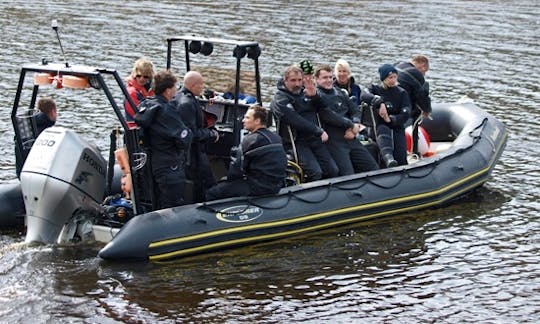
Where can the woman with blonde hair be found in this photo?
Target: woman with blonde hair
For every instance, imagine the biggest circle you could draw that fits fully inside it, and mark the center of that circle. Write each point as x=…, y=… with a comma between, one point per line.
x=392, y=108
x=345, y=80
x=139, y=85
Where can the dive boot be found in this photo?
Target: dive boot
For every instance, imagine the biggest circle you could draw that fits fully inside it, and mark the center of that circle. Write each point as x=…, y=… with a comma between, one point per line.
x=389, y=160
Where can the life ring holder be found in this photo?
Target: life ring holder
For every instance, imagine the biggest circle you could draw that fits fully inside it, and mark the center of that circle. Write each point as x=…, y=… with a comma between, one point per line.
x=68, y=81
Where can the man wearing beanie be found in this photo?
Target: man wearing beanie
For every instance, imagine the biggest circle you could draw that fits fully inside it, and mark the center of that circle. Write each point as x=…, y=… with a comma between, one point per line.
x=391, y=107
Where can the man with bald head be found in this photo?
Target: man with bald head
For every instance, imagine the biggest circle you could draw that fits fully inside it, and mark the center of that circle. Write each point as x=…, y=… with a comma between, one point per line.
x=190, y=110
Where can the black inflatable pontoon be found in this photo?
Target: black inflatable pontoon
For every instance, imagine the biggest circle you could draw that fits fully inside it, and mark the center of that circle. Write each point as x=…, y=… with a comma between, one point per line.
x=474, y=140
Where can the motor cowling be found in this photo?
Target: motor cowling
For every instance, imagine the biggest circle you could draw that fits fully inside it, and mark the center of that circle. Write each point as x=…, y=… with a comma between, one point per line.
x=62, y=181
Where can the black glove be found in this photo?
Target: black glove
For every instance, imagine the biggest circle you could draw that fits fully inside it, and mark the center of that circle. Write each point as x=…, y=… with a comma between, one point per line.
x=376, y=102
x=208, y=94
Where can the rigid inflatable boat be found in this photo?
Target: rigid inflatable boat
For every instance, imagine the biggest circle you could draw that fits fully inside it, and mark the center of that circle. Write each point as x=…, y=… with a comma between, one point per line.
x=68, y=193
x=473, y=142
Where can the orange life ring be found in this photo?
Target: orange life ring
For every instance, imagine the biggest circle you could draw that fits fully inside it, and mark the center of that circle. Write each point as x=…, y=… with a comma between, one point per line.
x=75, y=82
x=43, y=78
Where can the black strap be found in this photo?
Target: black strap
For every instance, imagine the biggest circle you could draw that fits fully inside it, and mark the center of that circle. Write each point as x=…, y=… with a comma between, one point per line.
x=110, y=172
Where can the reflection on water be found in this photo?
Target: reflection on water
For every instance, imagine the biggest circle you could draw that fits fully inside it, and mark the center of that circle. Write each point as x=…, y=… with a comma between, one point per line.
x=472, y=261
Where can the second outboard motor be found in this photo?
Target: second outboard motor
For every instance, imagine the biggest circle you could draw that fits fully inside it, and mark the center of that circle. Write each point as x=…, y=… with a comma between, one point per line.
x=63, y=184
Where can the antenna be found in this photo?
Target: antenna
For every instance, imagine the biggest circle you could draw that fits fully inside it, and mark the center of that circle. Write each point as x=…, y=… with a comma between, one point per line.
x=54, y=25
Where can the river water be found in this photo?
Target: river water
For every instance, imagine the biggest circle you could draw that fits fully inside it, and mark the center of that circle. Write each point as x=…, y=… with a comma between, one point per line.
x=474, y=261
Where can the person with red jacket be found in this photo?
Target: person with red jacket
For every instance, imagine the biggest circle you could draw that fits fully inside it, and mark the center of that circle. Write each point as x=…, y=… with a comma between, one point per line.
x=138, y=86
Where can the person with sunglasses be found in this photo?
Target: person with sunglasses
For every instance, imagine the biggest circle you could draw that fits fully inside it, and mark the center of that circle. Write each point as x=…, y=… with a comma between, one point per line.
x=138, y=86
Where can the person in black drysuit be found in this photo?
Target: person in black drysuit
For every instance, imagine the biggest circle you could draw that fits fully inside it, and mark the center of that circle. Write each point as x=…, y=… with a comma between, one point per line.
x=391, y=107
x=295, y=108
x=411, y=77
x=47, y=114
x=345, y=80
x=168, y=140
x=341, y=119
x=258, y=165
x=44, y=118
x=190, y=110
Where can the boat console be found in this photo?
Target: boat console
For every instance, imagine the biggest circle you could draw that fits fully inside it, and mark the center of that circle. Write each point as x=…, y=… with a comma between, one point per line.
x=227, y=113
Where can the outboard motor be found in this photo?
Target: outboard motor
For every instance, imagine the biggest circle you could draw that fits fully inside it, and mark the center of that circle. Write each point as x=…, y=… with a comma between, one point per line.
x=63, y=184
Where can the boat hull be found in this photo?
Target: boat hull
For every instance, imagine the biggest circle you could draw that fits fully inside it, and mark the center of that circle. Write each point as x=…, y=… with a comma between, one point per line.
x=477, y=143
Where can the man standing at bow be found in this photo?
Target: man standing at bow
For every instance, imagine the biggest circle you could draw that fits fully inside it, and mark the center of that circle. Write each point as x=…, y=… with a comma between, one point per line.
x=411, y=78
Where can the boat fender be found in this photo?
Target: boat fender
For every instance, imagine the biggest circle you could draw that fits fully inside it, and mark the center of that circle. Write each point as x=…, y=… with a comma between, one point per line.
x=75, y=82
x=121, y=155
